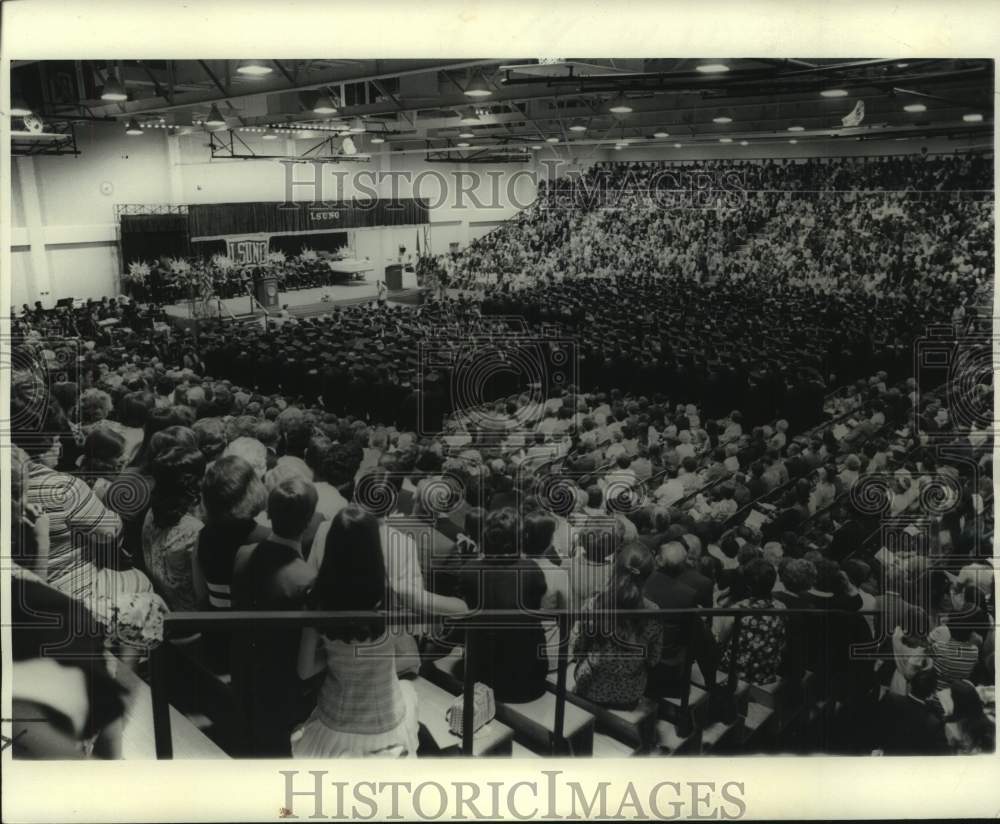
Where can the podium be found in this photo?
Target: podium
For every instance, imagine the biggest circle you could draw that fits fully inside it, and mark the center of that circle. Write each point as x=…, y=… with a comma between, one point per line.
x=394, y=277
x=265, y=289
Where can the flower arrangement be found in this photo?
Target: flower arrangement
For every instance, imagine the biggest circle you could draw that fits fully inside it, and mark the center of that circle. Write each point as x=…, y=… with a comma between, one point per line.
x=138, y=272
x=223, y=263
x=308, y=255
x=275, y=258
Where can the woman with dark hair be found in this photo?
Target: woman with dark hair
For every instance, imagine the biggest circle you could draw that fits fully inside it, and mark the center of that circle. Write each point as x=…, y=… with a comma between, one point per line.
x=967, y=727
x=363, y=710
x=232, y=497
x=133, y=412
x=103, y=453
x=156, y=421
x=761, y=640
x=171, y=527
x=614, y=653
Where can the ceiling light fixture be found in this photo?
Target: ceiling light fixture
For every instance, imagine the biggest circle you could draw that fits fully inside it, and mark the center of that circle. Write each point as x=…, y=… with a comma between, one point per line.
x=357, y=126
x=215, y=117
x=324, y=105
x=725, y=140
x=712, y=68
x=552, y=140
x=972, y=117
x=113, y=90
x=133, y=127
x=254, y=68
x=796, y=128
x=620, y=105
x=377, y=139
x=269, y=136
x=537, y=146
x=744, y=142
x=914, y=107
x=478, y=87
x=834, y=93
x=468, y=118
x=466, y=135
x=677, y=145
x=793, y=140
x=578, y=127
x=722, y=119
x=463, y=145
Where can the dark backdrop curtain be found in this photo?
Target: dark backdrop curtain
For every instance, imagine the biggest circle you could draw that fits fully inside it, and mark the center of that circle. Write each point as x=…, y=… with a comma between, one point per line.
x=150, y=237
x=210, y=219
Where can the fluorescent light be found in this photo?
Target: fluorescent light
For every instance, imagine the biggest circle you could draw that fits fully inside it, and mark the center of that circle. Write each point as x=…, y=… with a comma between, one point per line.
x=619, y=105
x=722, y=119
x=133, y=127
x=357, y=126
x=661, y=134
x=552, y=140
x=725, y=140
x=463, y=145
x=478, y=88
x=578, y=127
x=19, y=108
x=113, y=90
x=254, y=68
x=914, y=107
x=972, y=117
x=377, y=139
x=466, y=135
x=834, y=93
x=796, y=128
x=215, y=117
x=712, y=68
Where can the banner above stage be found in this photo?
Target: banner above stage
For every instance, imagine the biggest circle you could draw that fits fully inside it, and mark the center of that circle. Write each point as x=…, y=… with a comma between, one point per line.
x=245, y=251
x=211, y=220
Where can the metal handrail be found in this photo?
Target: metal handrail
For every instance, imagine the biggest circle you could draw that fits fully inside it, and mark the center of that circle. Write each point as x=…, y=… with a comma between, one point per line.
x=182, y=624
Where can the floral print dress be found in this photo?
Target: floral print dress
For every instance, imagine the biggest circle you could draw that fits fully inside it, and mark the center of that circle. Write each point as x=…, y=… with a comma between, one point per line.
x=760, y=645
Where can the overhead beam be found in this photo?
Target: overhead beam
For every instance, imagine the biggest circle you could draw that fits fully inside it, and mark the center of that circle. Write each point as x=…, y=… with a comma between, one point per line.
x=331, y=78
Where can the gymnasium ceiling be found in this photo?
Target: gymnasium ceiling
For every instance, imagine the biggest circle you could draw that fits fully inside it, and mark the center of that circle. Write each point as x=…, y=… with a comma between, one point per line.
x=511, y=106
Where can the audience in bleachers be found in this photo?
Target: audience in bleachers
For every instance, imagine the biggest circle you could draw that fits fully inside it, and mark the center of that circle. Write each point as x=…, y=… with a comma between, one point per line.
x=698, y=459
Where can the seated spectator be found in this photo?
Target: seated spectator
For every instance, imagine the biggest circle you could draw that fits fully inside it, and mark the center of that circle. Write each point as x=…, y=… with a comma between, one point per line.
x=761, y=641
x=172, y=526
x=614, y=653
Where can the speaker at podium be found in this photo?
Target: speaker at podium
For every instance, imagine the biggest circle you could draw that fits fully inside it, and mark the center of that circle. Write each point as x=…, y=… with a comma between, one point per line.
x=394, y=277
x=266, y=291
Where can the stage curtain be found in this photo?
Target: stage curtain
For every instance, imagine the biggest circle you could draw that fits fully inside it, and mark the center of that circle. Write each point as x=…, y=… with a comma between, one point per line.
x=151, y=237
x=213, y=219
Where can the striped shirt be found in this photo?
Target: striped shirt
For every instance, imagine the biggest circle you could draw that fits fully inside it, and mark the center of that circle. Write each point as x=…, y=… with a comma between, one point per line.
x=953, y=660
x=83, y=534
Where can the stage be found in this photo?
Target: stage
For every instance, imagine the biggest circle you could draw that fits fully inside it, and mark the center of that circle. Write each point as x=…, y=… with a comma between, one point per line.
x=299, y=302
